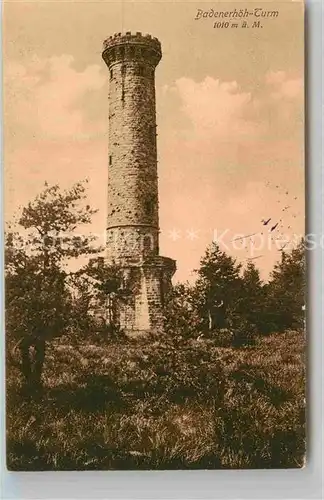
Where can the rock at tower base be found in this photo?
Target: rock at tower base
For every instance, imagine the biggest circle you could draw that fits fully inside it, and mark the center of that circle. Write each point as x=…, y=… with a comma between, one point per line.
x=148, y=283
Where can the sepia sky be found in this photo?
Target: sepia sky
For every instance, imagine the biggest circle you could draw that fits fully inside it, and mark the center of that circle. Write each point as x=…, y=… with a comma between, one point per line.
x=229, y=115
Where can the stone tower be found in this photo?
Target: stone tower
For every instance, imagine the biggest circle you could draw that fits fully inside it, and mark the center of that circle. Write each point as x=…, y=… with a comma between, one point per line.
x=133, y=214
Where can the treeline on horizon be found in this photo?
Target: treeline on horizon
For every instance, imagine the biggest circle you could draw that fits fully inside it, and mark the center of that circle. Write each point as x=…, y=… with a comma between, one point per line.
x=44, y=300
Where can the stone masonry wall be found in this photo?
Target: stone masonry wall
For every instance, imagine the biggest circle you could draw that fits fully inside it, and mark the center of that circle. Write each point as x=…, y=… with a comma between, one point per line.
x=133, y=216
x=150, y=282
x=132, y=171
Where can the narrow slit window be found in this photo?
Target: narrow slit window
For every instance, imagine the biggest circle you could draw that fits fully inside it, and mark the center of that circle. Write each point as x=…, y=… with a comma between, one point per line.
x=152, y=132
x=149, y=207
x=110, y=159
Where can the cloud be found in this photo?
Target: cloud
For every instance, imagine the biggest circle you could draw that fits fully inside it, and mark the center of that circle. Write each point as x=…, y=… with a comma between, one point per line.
x=222, y=151
x=284, y=87
x=46, y=97
x=216, y=107
x=224, y=112
x=229, y=163
x=49, y=133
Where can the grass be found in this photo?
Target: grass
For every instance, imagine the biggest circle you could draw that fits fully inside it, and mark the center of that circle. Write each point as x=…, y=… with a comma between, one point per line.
x=161, y=405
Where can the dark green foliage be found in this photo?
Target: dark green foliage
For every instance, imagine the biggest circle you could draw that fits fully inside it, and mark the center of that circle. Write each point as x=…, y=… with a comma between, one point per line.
x=252, y=297
x=99, y=291
x=51, y=220
x=222, y=337
x=182, y=319
x=226, y=298
x=286, y=291
x=217, y=287
x=38, y=300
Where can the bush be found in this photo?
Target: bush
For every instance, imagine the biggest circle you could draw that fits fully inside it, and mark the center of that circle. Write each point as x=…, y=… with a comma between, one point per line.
x=244, y=333
x=161, y=404
x=221, y=337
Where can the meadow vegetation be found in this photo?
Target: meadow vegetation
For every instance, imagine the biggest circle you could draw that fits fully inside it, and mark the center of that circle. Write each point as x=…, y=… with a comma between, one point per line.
x=162, y=404
x=223, y=387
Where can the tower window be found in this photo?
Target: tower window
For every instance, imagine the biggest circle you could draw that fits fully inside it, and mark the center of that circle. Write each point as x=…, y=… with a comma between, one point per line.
x=149, y=207
x=152, y=132
x=141, y=70
x=148, y=244
x=110, y=159
x=132, y=51
x=111, y=73
x=123, y=70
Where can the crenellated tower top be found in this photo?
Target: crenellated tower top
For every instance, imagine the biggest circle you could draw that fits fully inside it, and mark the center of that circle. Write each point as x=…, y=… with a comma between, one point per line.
x=132, y=194
x=131, y=47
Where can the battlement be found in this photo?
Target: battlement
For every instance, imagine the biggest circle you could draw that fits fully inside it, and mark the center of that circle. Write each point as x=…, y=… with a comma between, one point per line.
x=131, y=46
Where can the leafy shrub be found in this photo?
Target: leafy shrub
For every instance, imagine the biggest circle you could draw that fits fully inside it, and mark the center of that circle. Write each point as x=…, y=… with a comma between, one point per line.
x=222, y=337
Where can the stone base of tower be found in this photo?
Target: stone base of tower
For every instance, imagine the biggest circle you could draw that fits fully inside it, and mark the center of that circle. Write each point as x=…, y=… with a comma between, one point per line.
x=148, y=284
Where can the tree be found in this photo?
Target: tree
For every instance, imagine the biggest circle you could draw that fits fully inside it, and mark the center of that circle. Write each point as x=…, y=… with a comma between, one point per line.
x=37, y=308
x=101, y=286
x=245, y=313
x=181, y=317
x=37, y=298
x=286, y=290
x=217, y=287
x=252, y=296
